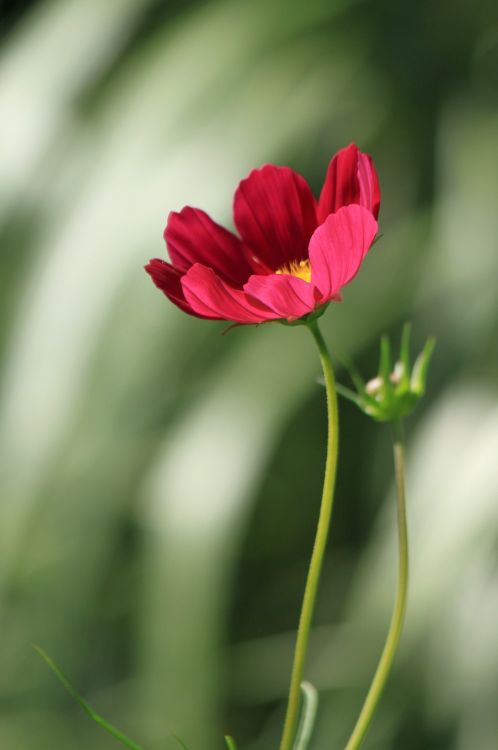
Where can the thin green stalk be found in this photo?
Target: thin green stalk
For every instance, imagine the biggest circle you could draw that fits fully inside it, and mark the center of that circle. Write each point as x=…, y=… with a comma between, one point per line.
x=387, y=657
x=112, y=730
x=319, y=545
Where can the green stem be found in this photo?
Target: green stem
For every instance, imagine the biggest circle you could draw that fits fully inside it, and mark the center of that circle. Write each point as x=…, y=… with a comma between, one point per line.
x=319, y=545
x=387, y=658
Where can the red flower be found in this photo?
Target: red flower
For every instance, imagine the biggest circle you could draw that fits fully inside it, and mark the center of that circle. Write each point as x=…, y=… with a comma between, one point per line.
x=294, y=254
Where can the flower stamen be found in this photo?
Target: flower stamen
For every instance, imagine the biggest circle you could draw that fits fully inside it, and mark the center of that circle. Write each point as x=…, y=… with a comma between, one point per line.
x=299, y=268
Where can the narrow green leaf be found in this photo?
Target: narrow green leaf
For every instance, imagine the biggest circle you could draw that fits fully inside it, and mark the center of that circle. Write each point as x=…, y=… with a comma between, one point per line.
x=385, y=369
x=352, y=371
x=421, y=366
x=404, y=353
x=347, y=393
x=230, y=742
x=308, y=716
x=84, y=705
x=385, y=365
x=180, y=742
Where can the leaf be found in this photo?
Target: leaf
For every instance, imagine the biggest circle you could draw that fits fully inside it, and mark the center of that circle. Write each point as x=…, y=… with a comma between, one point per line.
x=350, y=395
x=421, y=366
x=230, y=742
x=308, y=716
x=180, y=742
x=405, y=354
x=352, y=371
x=116, y=733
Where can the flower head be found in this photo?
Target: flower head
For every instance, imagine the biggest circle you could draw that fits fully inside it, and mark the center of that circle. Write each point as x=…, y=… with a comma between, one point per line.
x=294, y=253
x=394, y=392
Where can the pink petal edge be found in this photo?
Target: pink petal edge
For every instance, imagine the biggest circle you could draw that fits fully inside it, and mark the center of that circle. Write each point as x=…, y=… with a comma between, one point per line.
x=209, y=295
x=288, y=296
x=338, y=247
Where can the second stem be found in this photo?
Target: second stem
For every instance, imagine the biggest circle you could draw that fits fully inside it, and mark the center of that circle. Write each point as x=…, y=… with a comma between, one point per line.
x=387, y=657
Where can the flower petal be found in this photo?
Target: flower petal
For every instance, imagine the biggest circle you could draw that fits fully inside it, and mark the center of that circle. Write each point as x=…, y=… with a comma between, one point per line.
x=168, y=280
x=275, y=213
x=351, y=178
x=288, y=296
x=210, y=296
x=369, y=184
x=193, y=237
x=338, y=247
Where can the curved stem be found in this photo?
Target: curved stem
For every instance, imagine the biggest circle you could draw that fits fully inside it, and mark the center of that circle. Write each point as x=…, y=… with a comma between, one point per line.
x=387, y=658
x=319, y=545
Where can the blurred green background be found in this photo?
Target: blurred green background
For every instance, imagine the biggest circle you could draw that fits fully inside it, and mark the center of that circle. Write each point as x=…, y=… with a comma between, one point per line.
x=160, y=482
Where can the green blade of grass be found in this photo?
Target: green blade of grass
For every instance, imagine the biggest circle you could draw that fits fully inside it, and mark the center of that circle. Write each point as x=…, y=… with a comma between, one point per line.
x=308, y=716
x=116, y=733
x=180, y=742
x=230, y=742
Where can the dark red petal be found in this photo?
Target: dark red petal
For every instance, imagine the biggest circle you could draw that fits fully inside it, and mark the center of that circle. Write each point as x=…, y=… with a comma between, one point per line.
x=288, y=296
x=369, y=184
x=338, y=247
x=351, y=178
x=193, y=237
x=210, y=296
x=168, y=280
x=275, y=213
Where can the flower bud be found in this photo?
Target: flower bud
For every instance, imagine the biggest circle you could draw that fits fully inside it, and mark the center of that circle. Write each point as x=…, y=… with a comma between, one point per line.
x=397, y=389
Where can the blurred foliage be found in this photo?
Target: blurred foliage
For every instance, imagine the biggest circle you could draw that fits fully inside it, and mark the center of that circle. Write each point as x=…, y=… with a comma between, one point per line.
x=160, y=482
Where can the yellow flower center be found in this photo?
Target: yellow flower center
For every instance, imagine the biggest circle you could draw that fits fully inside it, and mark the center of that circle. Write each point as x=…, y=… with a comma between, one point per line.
x=299, y=268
